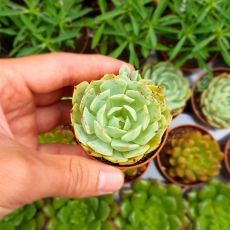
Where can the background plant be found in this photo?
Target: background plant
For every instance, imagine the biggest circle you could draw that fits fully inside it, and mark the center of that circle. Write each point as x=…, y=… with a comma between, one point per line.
x=29, y=217
x=203, y=29
x=85, y=214
x=194, y=157
x=129, y=28
x=210, y=206
x=40, y=26
x=214, y=102
x=176, y=86
x=151, y=205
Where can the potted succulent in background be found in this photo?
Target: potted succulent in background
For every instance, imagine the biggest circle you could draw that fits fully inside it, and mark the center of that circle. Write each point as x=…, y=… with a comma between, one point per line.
x=29, y=217
x=45, y=26
x=227, y=155
x=176, y=86
x=210, y=99
x=198, y=33
x=152, y=205
x=209, y=207
x=135, y=173
x=90, y=213
x=190, y=156
x=120, y=120
x=61, y=135
x=128, y=29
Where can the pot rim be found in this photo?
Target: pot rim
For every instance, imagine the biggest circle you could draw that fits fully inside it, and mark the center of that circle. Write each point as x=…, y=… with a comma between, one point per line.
x=161, y=167
x=196, y=111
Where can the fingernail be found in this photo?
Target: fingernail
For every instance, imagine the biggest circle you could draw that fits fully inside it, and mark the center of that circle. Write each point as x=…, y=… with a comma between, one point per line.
x=110, y=181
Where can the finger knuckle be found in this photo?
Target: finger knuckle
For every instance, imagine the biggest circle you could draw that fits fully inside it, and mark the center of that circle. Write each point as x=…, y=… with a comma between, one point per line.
x=77, y=181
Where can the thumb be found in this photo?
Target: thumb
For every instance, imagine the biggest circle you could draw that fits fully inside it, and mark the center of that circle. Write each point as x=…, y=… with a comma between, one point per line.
x=76, y=176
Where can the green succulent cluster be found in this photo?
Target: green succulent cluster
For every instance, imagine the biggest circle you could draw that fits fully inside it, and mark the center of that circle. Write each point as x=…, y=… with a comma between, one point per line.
x=194, y=157
x=176, y=86
x=215, y=101
x=61, y=135
x=210, y=207
x=28, y=217
x=119, y=118
x=151, y=205
x=84, y=214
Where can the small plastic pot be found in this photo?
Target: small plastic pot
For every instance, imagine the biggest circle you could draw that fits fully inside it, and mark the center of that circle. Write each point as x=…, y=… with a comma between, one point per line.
x=163, y=161
x=227, y=156
x=195, y=99
x=136, y=174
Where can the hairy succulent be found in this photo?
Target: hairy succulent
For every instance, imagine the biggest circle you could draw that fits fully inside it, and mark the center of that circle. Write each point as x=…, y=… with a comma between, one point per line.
x=176, y=86
x=151, y=205
x=61, y=135
x=215, y=101
x=119, y=118
x=28, y=217
x=194, y=157
x=84, y=214
x=210, y=207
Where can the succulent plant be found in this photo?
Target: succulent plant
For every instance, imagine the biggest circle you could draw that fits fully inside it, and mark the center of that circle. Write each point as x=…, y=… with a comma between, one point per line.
x=28, y=217
x=210, y=207
x=84, y=214
x=61, y=135
x=194, y=157
x=215, y=101
x=119, y=118
x=176, y=86
x=133, y=173
x=151, y=205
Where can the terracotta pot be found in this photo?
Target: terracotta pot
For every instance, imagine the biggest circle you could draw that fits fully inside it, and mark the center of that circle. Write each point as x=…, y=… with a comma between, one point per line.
x=227, y=156
x=195, y=99
x=140, y=171
x=162, y=161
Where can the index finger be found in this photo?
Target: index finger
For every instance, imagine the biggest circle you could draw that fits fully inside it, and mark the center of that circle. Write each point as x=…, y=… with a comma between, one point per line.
x=48, y=72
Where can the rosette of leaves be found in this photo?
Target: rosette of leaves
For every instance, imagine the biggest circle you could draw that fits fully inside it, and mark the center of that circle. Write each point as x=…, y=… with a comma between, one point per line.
x=119, y=118
x=29, y=217
x=43, y=26
x=210, y=207
x=86, y=214
x=61, y=135
x=215, y=103
x=194, y=157
x=151, y=205
x=176, y=86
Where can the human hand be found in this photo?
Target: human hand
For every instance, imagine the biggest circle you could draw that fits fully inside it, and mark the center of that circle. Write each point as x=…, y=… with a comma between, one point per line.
x=30, y=93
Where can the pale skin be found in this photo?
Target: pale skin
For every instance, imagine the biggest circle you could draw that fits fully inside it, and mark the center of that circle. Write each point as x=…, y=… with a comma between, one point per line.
x=30, y=93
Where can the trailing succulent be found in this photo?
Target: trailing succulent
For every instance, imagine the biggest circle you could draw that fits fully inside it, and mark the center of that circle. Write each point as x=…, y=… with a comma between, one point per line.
x=119, y=118
x=28, y=217
x=176, y=86
x=215, y=101
x=61, y=135
x=194, y=157
x=210, y=207
x=86, y=214
x=151, y=205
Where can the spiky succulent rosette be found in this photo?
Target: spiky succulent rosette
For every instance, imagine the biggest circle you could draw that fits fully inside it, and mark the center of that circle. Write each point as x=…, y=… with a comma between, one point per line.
x=119, y=118
x=176, y=86
x=215, y=101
